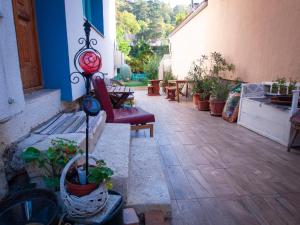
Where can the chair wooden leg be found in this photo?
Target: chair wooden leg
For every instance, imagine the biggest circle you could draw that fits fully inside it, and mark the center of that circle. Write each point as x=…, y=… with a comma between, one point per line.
x=151, y=130
x=292, y=139
x=143, y=126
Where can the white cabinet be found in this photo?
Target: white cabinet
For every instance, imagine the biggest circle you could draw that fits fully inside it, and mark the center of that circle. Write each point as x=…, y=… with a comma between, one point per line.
x=265, y=119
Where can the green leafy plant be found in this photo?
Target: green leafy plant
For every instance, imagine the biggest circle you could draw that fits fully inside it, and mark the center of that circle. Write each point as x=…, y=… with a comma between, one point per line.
x=151, y=68
x=219, y=64
x=282, y=85
x=197, y=73
x=100, y=173
x=275, y=88
x=166, y=77
x=206, y=87
x=53, y=160
x=292, y=86
x=220, y=89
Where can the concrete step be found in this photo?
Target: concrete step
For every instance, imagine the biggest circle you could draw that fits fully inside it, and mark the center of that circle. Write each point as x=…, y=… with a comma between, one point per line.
x=43, y=141
x=40, y=106
x=130, y=217
x=114, y=147
x=147, y=189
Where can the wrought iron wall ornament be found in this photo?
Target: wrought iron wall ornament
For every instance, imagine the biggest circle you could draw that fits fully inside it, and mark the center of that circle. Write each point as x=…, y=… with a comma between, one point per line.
x=87, y=62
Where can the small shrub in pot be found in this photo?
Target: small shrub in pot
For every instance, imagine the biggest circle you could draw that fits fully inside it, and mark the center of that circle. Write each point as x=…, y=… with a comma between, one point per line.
x=219, y=93
x=196, y=74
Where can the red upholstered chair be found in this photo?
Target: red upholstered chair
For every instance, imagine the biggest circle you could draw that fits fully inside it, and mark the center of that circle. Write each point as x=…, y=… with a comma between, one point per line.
x=136, y=117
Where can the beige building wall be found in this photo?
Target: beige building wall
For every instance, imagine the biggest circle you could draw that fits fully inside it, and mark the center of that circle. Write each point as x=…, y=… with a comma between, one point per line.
x=261, y=37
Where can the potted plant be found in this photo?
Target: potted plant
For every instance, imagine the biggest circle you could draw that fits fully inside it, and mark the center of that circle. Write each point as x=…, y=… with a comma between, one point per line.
x=203, y=102
x=196, y=74
x=53, y=160
x=79, y=185
x=219, y=93
x=219, y=87
x=292, y=86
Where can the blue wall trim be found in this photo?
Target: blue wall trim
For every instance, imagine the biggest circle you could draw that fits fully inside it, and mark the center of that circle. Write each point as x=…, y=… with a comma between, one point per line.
x=53, y=43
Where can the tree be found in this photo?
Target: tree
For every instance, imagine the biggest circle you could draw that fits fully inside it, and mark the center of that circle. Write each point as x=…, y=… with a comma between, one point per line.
x=140, y=10
x=139, y=55
x=151, y=68
x=142, y=22
x=127, y=25
x=180, y=17
x=123, y=44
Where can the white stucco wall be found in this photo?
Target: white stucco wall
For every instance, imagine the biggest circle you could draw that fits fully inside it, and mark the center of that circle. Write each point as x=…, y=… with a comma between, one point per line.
x=18, y=113
x=261, y=38
x=11, y=91
x=105, y=45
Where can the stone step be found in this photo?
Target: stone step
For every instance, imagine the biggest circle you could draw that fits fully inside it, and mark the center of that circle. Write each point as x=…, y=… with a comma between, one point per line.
x=130, y=217
x=114, y=147
x=147, y=188
x=40, y=106
x=43, y=142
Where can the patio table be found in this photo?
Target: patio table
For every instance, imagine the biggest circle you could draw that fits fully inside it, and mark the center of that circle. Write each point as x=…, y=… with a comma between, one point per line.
x=179, y=86
x=119, y=95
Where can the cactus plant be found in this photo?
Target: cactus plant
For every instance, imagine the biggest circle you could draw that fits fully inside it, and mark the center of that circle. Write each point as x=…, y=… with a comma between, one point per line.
x=125, y=72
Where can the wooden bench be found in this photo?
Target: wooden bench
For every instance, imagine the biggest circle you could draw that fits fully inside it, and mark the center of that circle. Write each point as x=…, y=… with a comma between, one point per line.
x=171, y=93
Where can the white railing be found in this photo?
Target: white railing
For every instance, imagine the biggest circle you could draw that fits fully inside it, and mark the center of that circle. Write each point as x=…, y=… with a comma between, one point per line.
x=295, y=101
x=279, y=91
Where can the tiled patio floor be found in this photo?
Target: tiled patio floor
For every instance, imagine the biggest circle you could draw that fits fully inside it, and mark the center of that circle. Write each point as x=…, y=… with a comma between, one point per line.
x=220, y=173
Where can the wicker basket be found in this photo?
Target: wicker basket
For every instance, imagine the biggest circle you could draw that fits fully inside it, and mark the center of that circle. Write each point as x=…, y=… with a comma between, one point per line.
x=87, y=205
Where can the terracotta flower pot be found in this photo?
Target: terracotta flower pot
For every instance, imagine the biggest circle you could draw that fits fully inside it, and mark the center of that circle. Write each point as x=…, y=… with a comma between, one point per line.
x=203, y=105
x=80, y=190
x=196, y=98
x=216, y=107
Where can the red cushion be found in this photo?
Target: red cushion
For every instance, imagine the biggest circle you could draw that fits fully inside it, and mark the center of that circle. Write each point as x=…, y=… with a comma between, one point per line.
x=133, y=116
x=103, y=97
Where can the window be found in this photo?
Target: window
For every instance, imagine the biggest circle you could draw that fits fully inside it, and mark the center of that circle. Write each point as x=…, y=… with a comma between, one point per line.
x=93, y=12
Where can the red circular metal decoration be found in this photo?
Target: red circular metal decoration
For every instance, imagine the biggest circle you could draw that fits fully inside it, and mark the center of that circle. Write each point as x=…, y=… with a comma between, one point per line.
x=90, y=62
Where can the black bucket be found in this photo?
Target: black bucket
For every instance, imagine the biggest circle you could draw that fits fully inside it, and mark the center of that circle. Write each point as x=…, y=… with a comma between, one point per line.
x=34, y=206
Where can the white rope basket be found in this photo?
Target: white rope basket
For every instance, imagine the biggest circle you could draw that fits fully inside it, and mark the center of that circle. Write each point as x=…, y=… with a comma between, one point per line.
x=87, y=205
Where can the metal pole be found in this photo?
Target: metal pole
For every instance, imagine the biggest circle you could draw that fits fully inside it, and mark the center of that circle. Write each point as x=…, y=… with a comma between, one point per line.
x=87, y=30
x=87, y=131
x=87, y=147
